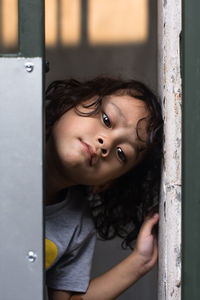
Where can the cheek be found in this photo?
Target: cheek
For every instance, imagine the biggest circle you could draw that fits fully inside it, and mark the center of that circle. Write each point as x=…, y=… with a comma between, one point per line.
x=65, y=131
x=120, y=169
x=61, y=127
x=110, y=169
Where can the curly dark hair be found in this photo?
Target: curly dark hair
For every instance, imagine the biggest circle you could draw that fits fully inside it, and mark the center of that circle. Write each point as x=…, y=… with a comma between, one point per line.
x=121, y=209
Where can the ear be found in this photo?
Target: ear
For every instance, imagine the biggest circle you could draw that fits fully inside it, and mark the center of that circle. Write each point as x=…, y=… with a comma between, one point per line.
x=103, y=187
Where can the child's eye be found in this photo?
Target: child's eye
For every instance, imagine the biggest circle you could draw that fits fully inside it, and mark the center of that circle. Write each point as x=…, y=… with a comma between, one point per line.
x=106, y=120
x=121, y=154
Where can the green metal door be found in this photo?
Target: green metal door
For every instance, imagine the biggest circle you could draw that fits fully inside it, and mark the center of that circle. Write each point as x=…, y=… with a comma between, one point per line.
x=21, y=159
x=191, y=150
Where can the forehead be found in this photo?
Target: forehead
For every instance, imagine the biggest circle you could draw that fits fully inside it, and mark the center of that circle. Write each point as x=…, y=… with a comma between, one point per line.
x=129, y=108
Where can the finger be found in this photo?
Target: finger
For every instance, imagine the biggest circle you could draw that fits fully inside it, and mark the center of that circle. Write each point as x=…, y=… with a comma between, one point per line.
x=150, y=223
x=155, y=254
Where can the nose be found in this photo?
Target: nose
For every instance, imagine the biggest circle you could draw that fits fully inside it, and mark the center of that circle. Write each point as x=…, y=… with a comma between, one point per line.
x=105, y=145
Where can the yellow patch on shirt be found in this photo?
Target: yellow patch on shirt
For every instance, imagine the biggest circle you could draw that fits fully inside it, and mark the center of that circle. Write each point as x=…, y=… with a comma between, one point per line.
x=51, y=252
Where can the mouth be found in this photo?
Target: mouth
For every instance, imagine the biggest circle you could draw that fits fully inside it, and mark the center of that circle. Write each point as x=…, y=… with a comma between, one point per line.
x=89, y=151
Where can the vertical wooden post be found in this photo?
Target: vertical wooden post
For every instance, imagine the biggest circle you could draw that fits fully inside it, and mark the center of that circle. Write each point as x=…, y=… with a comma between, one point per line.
x=169, y=30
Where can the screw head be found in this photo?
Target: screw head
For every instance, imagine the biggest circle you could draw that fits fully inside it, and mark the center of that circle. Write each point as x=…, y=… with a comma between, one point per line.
x=29, y=67
x=32, y=256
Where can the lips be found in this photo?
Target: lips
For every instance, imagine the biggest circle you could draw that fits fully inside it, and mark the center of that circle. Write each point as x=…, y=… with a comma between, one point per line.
x=90, y=151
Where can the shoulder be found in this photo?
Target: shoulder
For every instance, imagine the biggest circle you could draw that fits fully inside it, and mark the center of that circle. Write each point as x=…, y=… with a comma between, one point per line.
x=70, y=221
x=74, y=236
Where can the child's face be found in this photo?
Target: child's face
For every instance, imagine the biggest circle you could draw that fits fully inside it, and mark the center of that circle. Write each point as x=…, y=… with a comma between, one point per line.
x=97, y=149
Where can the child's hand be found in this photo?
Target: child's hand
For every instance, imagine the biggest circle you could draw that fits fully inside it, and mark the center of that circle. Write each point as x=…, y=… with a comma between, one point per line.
x=146, y=246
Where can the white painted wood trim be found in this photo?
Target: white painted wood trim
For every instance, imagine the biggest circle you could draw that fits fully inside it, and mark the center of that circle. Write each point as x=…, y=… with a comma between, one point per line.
x=169, y=82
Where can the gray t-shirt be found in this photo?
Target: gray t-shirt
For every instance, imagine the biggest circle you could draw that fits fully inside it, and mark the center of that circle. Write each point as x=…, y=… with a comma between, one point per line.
x=69, y=244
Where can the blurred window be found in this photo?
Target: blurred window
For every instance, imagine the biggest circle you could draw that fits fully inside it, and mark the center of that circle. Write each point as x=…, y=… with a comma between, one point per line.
x=70, y=22
x=108, y=22
x=51, y=17
x=117, y=21
x=8, y=26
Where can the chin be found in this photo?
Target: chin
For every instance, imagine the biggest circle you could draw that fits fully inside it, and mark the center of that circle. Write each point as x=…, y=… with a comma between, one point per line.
x=71, y=160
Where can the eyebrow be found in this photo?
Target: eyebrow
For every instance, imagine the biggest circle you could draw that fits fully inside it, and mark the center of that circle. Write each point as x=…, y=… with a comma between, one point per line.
x=119, y=111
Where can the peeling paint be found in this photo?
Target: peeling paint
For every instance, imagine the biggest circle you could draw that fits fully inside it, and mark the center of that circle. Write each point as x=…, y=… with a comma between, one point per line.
x=178, y=284
x=165, y=210
x=169, y=188
x=178, y=142
x=172, y=292
x=178, y=196
x=178, y=257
